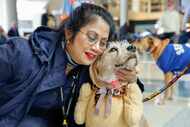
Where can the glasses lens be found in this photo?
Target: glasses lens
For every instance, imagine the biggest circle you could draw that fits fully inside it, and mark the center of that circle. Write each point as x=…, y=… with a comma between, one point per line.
x=92, y=37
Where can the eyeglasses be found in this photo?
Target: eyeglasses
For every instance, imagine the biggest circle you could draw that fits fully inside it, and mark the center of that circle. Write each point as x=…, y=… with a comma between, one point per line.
x=93, y=38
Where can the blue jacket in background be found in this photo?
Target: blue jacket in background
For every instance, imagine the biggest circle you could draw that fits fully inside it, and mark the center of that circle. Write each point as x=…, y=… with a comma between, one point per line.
x=31, y=74
x=174, y=58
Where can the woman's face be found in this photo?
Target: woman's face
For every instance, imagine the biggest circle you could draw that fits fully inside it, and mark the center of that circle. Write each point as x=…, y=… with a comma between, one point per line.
x=89, y=42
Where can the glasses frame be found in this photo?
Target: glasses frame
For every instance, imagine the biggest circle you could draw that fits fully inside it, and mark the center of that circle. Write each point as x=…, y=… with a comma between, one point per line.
x=91, y=42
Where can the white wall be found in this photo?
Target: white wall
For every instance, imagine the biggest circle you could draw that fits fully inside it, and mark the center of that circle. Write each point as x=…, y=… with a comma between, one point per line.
x=29, y=14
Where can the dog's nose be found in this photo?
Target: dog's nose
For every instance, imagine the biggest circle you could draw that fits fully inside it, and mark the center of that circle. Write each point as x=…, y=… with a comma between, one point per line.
x=131, y=48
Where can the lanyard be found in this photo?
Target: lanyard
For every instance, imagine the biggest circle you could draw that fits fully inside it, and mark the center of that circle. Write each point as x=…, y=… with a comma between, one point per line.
x=66, y=111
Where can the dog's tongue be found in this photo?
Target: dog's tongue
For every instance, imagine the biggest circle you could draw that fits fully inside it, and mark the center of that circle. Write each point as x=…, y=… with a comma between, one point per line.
x=115, y=84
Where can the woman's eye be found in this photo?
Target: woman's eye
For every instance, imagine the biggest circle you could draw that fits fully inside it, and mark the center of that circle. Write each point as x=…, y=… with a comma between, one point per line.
x=92, y=37
x=113, y=50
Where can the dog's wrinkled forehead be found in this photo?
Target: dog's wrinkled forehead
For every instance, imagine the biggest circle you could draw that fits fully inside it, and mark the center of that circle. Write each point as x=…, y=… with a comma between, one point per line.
x=119, y=44
x=123, y=46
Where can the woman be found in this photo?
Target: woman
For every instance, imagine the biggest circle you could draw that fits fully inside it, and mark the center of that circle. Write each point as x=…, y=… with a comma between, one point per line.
x=41, y=77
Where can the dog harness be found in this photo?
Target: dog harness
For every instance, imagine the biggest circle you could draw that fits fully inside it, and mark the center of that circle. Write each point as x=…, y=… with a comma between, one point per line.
x=175, y=58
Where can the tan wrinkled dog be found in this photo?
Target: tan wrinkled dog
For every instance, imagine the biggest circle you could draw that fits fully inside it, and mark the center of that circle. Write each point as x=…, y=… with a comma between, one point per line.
x=156, y=47
x=108, y=102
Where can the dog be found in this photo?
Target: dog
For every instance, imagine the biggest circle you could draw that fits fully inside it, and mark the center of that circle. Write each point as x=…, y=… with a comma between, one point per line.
x=108, y=102
x=171, y=58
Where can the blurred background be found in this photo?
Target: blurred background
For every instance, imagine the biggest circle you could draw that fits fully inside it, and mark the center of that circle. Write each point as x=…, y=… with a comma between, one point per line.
x=130, y=16
x=140, y=14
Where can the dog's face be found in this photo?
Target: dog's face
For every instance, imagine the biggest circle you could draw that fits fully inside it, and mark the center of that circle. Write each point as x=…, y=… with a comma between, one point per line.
x=143, y=44
x=118, y=55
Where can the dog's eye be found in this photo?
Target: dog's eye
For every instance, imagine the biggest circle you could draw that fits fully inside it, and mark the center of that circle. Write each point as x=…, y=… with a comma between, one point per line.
x=113, y=50
x=131, y=48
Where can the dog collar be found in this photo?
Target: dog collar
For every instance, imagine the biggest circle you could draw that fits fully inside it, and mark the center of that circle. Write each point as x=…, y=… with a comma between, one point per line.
x=152, y=49
x=107, y=93
x=110, y=91
x=115, y=83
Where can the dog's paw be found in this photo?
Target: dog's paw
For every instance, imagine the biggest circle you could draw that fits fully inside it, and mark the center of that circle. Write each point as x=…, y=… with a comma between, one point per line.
x=85, y=91
x=82, y=103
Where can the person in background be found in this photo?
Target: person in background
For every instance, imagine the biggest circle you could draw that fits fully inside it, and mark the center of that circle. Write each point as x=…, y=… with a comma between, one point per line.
x=3, y=37
x=125, y=32
x=169, y=23
x=13, y=31
x=48, y=19
x=40, y=78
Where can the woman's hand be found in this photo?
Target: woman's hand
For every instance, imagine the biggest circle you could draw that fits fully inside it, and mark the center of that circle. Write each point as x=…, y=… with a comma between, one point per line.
x=125, y=75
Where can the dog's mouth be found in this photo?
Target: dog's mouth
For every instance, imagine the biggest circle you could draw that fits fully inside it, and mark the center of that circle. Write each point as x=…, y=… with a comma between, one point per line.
x=125, y=63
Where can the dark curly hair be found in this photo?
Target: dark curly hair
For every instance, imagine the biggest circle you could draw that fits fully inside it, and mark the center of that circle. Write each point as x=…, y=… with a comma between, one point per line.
x=84, y=14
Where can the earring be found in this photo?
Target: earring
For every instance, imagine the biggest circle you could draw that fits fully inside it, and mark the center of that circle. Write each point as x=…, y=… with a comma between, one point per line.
x=68, y=41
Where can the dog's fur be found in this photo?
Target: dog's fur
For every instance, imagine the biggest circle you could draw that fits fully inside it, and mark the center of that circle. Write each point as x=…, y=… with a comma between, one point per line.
x=156, y=48
x=126, y=109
